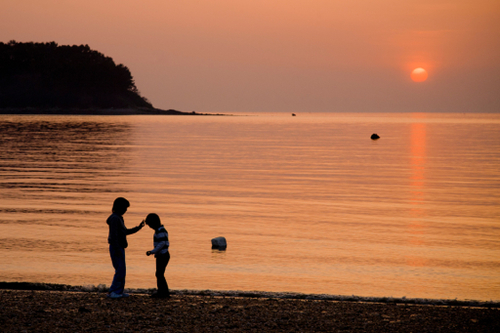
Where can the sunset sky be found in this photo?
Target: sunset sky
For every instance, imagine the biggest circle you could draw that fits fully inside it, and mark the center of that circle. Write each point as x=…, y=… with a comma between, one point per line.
x=284, y=55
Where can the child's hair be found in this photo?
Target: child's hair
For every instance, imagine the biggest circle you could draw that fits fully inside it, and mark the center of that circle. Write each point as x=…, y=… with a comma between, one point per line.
x=120, y=205
x=153, y=220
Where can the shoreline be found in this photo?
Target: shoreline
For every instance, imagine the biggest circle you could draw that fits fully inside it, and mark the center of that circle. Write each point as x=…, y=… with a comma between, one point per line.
x=31, y=286
x=27, y=310
x=101, y=111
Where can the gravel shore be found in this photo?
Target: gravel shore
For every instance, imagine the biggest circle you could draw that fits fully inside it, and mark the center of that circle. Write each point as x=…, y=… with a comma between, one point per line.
x=72, y=311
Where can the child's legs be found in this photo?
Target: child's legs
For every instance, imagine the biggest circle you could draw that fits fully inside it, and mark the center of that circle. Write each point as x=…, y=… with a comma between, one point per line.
x=118, y=260
x=161, y=265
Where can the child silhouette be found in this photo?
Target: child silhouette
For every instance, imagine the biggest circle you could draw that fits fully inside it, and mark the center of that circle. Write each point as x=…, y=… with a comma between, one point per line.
x=161, y=244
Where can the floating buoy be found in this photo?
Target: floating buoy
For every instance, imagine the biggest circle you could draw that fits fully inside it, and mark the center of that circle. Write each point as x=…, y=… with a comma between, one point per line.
x=219, y=243
x=375, y=136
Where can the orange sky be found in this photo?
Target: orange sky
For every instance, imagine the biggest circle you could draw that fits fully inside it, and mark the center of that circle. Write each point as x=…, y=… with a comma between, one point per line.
x=284, y=55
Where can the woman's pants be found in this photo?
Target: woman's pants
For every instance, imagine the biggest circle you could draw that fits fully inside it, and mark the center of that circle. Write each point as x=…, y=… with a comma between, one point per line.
x=118, y=259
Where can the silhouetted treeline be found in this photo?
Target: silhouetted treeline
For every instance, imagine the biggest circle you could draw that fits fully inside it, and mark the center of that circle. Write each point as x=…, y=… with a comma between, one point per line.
x=47, y=75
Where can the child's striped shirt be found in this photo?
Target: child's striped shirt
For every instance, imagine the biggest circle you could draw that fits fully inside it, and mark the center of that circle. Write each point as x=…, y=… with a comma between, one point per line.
x=160, y=241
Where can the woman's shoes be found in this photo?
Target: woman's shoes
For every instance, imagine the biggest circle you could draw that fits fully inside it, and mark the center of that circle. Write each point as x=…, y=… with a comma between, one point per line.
x=115, y=295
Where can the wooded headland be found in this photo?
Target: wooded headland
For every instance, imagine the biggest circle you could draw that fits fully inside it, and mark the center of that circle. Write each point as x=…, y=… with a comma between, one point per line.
x=47, y=78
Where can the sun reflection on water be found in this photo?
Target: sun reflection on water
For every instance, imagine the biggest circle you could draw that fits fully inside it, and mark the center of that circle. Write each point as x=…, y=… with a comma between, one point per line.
x=417, y=185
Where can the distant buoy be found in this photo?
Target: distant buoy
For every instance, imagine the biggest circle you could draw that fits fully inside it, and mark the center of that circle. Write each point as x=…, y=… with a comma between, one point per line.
x=375, y=136
x=293, y=114
x=219, y=243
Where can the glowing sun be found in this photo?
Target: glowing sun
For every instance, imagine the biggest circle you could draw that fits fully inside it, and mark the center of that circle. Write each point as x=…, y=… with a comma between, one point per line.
x=419, y=75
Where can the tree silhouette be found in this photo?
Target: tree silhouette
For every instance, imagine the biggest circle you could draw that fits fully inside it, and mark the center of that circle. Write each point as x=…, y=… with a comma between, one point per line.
x=47, y=75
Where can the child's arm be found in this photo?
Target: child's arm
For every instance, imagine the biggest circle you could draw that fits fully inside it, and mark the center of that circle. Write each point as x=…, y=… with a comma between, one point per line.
x=161, y=242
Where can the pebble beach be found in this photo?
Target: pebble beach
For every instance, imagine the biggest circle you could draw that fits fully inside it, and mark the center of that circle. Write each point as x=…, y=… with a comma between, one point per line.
x=29, y=310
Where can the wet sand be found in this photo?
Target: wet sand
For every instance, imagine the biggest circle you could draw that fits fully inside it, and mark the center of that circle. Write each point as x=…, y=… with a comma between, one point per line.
x=77, y=311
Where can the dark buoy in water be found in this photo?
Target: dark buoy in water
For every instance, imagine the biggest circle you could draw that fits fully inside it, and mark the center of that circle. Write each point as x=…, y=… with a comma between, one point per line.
x=375, y=136
x=293, y=114
x=219, y=243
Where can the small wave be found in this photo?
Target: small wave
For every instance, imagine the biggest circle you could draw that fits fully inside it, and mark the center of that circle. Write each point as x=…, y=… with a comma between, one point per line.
x=257, y=294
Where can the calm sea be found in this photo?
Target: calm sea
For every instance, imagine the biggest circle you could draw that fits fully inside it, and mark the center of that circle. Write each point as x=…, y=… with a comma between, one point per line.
x=307, y=204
